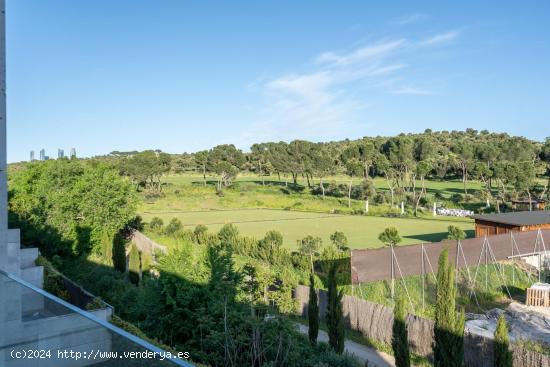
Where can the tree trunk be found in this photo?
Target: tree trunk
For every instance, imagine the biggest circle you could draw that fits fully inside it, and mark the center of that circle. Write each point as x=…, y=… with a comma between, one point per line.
x=349, y=192
x=465, y=178
x=261, y=173
x=322, y=187
x=307, y=178
x=204, y=174
x=367, y=167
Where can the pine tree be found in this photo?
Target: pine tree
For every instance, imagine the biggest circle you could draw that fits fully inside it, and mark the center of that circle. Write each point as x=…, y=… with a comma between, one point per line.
x=449, y=325
x=334, y=316
x=134, y=265
x=119, y=253
x=313, y=311
x=400, y=341
x=502, y=353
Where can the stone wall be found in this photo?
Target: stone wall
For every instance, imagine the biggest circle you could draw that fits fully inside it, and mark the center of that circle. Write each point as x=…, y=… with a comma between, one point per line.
x=145, y=244
x=375, y=322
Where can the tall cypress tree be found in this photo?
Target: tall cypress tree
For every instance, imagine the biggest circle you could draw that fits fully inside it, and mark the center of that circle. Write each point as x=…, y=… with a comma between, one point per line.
x=449, y=325
x=313, y=311
x=400, y=341
x=134, y=265
x=502, y=353
x=119, y=252
x=335, y=316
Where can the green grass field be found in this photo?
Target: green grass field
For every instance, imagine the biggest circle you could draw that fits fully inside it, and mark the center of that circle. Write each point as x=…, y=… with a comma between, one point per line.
x=256, y=208
x=361, y=231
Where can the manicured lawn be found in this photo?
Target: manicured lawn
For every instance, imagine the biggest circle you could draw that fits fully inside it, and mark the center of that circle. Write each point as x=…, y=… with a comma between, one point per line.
x=361, y=231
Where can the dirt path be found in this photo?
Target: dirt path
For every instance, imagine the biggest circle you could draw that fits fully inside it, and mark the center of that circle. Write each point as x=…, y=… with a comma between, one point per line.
x=365, y=354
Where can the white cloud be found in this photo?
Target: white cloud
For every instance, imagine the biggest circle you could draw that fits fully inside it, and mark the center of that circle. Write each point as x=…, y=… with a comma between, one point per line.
x=440, y=38
x=409, y=19
x=324, y=102
x=409, y=90
x=362, y=54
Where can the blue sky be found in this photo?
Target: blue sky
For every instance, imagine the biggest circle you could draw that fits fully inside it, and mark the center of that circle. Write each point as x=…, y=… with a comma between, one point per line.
x=102, y=75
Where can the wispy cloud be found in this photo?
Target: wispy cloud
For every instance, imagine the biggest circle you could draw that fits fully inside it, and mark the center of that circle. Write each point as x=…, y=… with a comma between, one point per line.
x=362, y=54
x=325, y=101
x=440, y=38
x=414, y=91
x=409, y=19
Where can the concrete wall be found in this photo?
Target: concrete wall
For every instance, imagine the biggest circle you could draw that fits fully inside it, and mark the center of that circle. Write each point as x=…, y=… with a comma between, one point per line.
x=146, y=245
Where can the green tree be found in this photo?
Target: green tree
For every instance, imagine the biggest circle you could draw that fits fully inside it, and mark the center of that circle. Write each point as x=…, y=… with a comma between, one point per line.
x=456, y=233
x=334, y=315
x=134, y=265
x=313, y=311
x=464, y=155
x=545, y=157
x=309, y=246
x=422, y=169
x=270, y=246
x=146, y=168
x=390, y=236
x=400, y=341
x=502, y=354
x=353, y=169
x=119, y=252
x=69, y=207
x=260, y=160
x=201, y=160
x=323, y=164
x=449, y=325
x=339, y=240
x=225, y=161
x=390, y=174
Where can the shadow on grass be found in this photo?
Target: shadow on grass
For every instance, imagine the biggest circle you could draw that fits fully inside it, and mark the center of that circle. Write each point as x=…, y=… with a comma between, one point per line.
x=437, y=236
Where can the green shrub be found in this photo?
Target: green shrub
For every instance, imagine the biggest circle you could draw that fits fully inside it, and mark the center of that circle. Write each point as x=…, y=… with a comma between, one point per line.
x=156, y=224
x=199, y=234
x=228, y=234
x=134, y=265
x=173, y=227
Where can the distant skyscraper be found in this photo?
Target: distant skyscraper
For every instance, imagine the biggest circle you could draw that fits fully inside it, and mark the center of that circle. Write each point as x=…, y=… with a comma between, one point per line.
x=73, y=153
x=32, y=155
x=42, y=154
x=60, y=153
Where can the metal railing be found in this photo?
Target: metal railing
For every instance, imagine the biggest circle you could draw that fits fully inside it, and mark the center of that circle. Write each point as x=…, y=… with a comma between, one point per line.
x=38, y=328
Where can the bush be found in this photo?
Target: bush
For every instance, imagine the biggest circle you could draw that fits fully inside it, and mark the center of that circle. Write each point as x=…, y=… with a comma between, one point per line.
x=379, y=199
x=457, y=198
x=156, y=224
x=173, y=227
x=228, y=234
x=200, y=234
x=53, y=281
